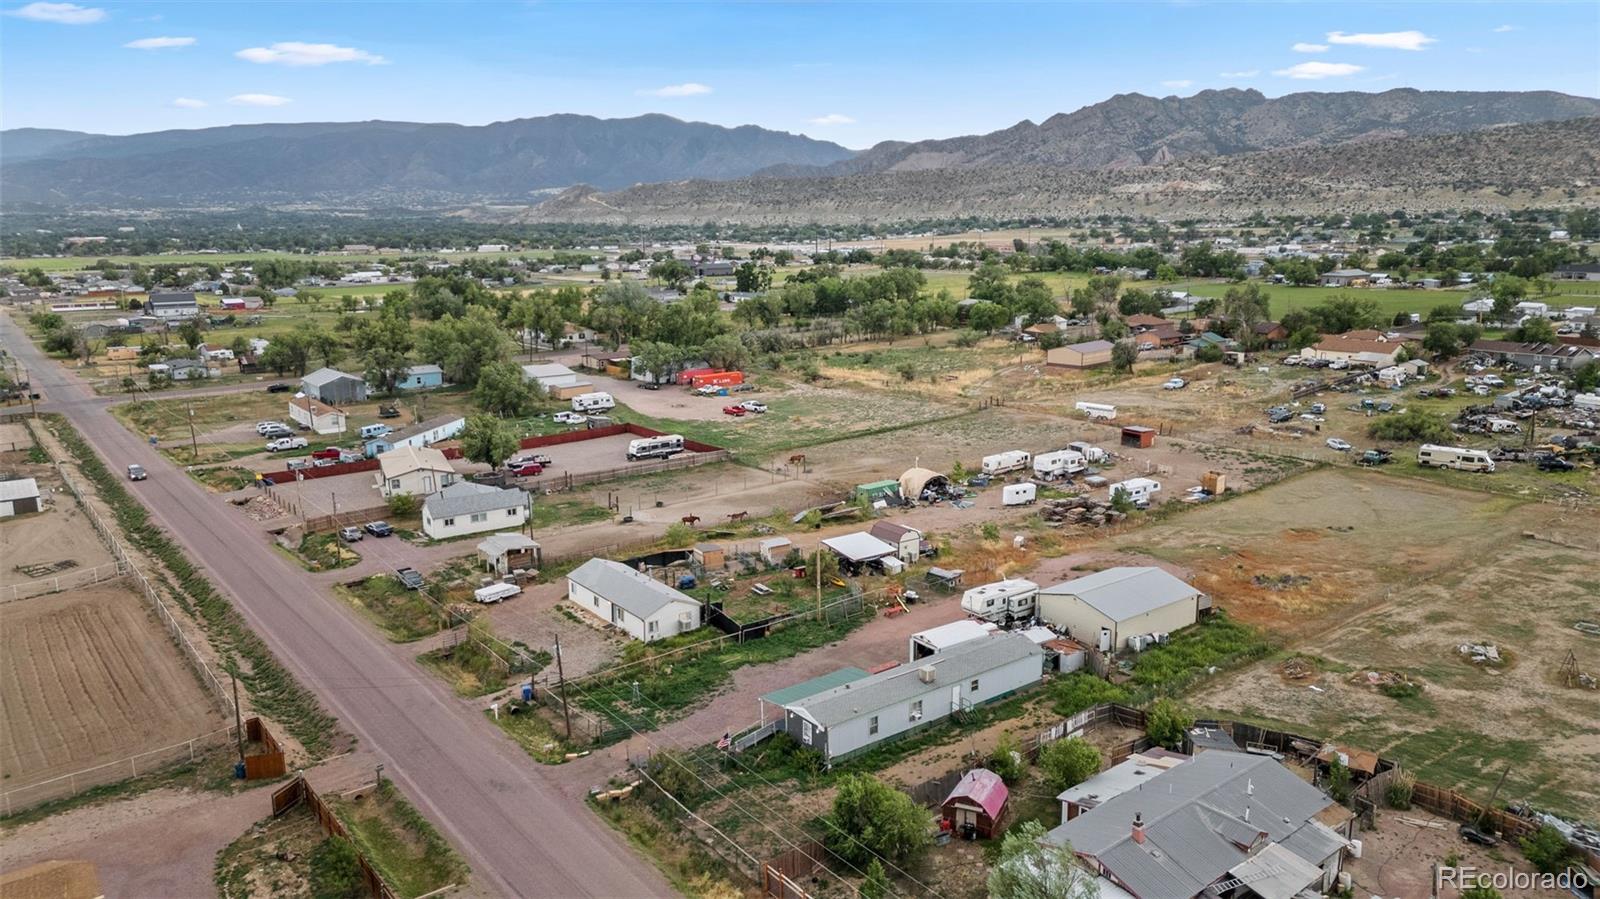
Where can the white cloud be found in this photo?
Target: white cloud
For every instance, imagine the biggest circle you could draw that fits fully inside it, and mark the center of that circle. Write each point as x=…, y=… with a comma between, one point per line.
x=687, y=89
x=258, y=100
x=60, y=13
x=1177, y=83
x=298, y=53
x=1314, y=71
x=1247, y=73
x=1388, y=40
x=1502, y=29
x=190, y=103
x=158, y=43
x=833, y=118
x=1304, y=47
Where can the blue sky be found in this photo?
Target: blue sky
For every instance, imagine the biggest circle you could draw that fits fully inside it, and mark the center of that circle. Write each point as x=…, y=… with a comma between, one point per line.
x=852, y=73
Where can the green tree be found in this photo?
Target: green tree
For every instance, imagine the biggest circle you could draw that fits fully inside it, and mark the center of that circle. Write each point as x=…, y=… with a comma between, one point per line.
x=1123, y=355
x=1442, y=340
x=501, y=389
x=1243, y=306
x=876, y=886
x=383, y=345
x=1535, y=330
x=986, y=316
x=189, y=333
x=1586, y=377
x=1339, y=785
x=1007, y=760
x=870, y=818
x=1067, y=763
x=1548, y=850
x=463, y=346
x=488, y=439
x=1029, y=868
x=752, y=278
x=726, y=351
x=334, y=872
x=1166, y=722
x=1411, y=426
x=671, y=272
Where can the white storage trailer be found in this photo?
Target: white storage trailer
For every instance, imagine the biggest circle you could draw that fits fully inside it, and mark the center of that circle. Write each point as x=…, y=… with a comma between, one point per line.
x=1091, y=453
x=1002, y=601
x=665, y=446
x=1137, y=489
x=1019, y=494
x=1000, y=463
x=593, y=402
x=1059, y=464
x=1097, y=411
x=496, y=593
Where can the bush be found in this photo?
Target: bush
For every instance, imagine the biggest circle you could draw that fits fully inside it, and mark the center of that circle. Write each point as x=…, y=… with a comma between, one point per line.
x=1398, y=794
x=1208, y=353
x=1081, y=690
x=1339, y=786
x=968, y=339
x=403, y=505
x=1006, y=760
x=870, y=818
x=1411, y=426
x=1480, y=891
x=876, y=886
x=1548, y=850
x=334, y=872
x=1166, y=723
x=679, y=534
x=1067, y=763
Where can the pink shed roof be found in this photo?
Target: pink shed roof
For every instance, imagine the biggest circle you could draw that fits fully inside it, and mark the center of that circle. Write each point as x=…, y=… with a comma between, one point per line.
x=984, y=788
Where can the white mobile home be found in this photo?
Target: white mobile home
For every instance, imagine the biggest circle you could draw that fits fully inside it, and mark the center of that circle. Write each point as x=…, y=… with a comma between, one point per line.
x=1000, y=463
x=593, y=402
x=630, y=601
x=846, y=719
x=1138, y=490
x=935, y=640
x=467, y=508
x=1121, y=602
x=1002, y=601
x=1059, y=464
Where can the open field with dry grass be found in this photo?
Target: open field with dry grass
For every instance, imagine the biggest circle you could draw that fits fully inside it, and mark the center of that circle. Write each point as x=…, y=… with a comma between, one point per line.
x=89, y=677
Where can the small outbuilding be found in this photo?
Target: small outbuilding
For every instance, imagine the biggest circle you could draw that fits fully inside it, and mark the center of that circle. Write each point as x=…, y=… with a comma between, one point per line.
x=709, y=555
x=1138, y=436
x=18, y=497
x=1122, y=602
x=857, y=550
x=1089, y=354
x=774, y=550
x=921, y=483
x=505, y=553
x=907, y=541
x=975, y=808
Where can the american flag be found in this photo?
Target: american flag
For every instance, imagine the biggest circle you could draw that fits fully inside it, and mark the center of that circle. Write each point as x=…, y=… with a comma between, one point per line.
x=726, y=741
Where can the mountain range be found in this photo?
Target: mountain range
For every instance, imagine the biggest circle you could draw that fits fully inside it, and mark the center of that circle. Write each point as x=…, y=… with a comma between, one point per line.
x=529, y=161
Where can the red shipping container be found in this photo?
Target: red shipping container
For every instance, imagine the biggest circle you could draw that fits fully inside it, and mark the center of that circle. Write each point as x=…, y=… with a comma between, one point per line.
x=688, y=375
x=719, y=379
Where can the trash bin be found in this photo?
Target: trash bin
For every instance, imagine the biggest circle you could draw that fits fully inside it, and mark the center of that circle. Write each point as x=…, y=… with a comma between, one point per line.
x=527, y=692
x=238, y=770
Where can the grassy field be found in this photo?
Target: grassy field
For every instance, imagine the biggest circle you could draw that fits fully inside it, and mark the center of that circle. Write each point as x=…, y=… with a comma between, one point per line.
x=412, y=857
x=403, y=615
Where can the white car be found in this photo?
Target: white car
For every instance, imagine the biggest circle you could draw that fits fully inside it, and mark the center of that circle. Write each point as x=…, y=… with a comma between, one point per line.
x=287, y=443
x=568, y=418
x=754, y=406
x=1175, y=384
x=1335, y=443
x=262, y=427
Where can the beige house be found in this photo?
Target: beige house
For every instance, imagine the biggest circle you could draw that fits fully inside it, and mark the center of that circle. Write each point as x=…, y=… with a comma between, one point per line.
x=1126, y=602
x=316, y=415
x=418, y=471
x=1080, y=355
x=1355, y=350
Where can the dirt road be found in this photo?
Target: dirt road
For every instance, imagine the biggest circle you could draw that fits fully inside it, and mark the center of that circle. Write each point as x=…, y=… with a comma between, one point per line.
x=487, y=797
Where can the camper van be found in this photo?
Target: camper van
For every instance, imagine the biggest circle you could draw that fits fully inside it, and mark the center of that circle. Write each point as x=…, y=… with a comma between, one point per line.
x=1455, y=457
x=593, y=402
x=1059, y=464
x=663, y=447
x=1092, y=454
x=1097, y=411
x=1019, y=494
x=1137, y=489
x=1000, y=463
x=495, y=593
x=1002, y=602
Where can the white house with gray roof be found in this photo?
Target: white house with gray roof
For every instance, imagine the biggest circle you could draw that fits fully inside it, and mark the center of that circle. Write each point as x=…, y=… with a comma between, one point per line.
x=845, y=719
x=1126, y=602
x=631, y=601
x=468, y=508
x=1222, y=824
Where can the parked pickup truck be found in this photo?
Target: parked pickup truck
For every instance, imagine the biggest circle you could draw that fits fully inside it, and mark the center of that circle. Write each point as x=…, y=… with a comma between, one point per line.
x=410, y=578
x=331, y=452
x=287, y=443
x=1374, y=457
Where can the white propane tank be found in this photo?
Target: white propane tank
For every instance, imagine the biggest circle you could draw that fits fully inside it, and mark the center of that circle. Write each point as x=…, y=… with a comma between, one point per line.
x=1344, y=880
x=1355, y=848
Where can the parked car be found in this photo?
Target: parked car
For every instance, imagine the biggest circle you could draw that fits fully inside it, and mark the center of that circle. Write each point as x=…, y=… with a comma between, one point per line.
x=275, y=432
x=287, y=443
x=1319, y=408
x=1553, y=463
x=647, y=385
x=297, y=464
x=1375, y=457
x=567, y=418
x=755, y=406
x=277, y=388
x=525, y=468
x=737, y=411
x=1175, y=384
x=327, y=452
x=378, y=528
x=1474, y=835
x=410, y=578
x=323, y=462
x=540, y=458
x=1279, y=414
x=350, y=535
x=262, y=427
x=1335, y=443
x=136, y=473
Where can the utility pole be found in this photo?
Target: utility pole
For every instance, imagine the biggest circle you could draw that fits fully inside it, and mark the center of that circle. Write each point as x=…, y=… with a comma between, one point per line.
x=238, y=717
x=566, y=710
x=817, y=564
x=194, y=444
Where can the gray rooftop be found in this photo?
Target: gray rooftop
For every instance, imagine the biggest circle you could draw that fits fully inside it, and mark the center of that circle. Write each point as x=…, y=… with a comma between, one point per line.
x=425, y=370
x=957, y=664
x=467, y=498
x=421, y=427
x=636, y=593
x=1122, y=593
x=327, y=376
x=21, y=488
x=1194, y=819
x=495, y=544
x=180, y=298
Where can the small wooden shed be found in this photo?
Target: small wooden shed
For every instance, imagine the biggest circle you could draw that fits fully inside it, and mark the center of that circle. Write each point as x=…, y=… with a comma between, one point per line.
x=1139, y=436
x=709, y=555
x=975, y=808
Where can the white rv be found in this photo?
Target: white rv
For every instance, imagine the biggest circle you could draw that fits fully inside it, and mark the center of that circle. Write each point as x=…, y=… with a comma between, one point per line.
x=593, y=402
x=495, y=593
x=1058, y=464
x=1019, y=494
x=1097, y=411
x=1002, y=601
x=1000, y=463
x=1459, y=458
x=663, y=447
x=1091, y=453
x=1137, y=489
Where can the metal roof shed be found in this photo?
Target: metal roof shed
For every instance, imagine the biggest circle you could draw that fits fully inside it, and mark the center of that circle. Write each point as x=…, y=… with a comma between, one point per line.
x=859, y=547
x=977, y=805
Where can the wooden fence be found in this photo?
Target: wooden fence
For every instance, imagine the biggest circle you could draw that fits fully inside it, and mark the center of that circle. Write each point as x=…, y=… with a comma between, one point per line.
x=347, y=519
x=269, y=762
x=299, y=790
x=781, y=875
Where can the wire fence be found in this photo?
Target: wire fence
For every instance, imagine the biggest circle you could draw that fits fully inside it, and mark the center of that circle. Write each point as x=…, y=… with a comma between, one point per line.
x=64, y=786
x=74, y=579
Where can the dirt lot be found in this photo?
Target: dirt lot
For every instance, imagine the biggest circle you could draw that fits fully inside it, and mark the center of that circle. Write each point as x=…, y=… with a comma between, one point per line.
x=1366, y=572
x=1395, y=858
x=90, y=677
x=60, y=532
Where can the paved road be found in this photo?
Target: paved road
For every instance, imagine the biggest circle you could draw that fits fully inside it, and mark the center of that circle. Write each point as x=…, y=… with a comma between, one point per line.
x=524, y=831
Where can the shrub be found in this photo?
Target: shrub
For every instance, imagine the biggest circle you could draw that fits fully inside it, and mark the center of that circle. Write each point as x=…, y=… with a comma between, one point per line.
x=1081, y=690
x=1339, y=782
x=1398, y=793
x=968, y=339
x=876, y=886
x=1411, y=426
x=870, y=818
x=1067, y=763
x=679, y=534
x=1480, y=891
x=1006, y=760
x=1166, y=723
x=403, y=505
x=1208, y=353
x=1548, y=850
x=334, y=872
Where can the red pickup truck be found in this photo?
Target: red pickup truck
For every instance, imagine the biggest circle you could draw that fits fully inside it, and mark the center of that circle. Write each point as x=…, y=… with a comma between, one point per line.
x=331, y=452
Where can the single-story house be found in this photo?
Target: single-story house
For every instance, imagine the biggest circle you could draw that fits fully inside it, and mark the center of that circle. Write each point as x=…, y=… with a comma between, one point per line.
x=468, y=508
x=1532, y=308
x=1343, y=348
x=190, y=370
x=18, y=497
x=635, y=603
x=505, y=553
x=418, y=471
x=1127, y=601
x=1088, y=354
x=714, y=268
x=977, y=805
x=1162, y=336
x=316, y=415
x=1588, y=271
x=907, y=541
x=1211, y=824
x=1271, y=332
x=848, y=718
x=421, y=377
x=1545, y=355
x=1346, y=277
x=1480, y=306
x=172, y=306
x=1143, y=322
x=334, y=386
x=1129, y=774
x=420, y=434
x=859, y=549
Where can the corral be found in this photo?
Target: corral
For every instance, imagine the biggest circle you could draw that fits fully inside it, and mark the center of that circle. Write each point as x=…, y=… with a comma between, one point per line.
x=89, y=678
